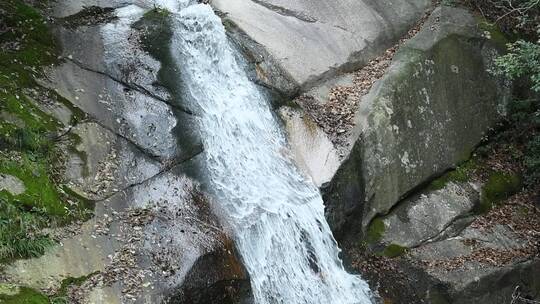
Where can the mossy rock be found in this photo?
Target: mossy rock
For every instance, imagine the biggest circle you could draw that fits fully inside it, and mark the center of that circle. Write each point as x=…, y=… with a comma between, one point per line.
x=394, y=251
x=375, y=231
x=494, y=33
x=29, y=147
x=11, y=294
x=499, y=187
x=461, y=174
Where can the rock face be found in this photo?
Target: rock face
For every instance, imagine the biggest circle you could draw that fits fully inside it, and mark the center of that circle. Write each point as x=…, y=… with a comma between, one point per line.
x=311, y=148
x=447, y=252
x=462, y=279
x=424, y=218
x=425, y=116
x=313, y=40
x=128, y=145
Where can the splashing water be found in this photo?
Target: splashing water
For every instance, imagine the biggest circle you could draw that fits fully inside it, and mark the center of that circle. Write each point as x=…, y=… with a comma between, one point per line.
x=277, y=214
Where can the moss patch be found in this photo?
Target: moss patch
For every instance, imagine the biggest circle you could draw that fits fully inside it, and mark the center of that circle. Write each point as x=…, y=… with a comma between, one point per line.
x=375, y=231
x=23, y=296
x=494, y=32
x=157, y=13
x=394, y=250
x=27, y=144
x=461, y=174
x=498, y=187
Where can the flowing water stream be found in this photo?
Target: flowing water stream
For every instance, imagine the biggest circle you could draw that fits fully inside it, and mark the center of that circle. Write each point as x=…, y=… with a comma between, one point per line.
x=277, y=214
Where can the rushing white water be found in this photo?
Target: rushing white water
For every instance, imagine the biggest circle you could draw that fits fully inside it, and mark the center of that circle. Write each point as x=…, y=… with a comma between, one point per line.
x=277, y=214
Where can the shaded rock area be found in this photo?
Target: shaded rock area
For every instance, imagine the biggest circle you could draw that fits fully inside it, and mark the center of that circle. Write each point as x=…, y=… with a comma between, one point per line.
x=127, y=145
x=396, y=126
x=472, y=258
x=215, y=278
x=425, y=116
x=334, y=37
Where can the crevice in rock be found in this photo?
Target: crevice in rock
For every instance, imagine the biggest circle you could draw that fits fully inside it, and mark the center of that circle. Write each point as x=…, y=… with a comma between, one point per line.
x=144, y=151
x=133, y=86
x=286, y=12
x=67, y=131
x=443, y=233
x=165, y=169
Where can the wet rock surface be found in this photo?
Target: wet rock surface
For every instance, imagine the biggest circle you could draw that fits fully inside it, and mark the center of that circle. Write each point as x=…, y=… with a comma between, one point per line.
x=104, y=163
x=127, y=145
x=311, y=148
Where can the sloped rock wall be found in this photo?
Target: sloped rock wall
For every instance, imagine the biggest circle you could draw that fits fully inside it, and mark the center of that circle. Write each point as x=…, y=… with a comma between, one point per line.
x=313, y=40
x=425, y=116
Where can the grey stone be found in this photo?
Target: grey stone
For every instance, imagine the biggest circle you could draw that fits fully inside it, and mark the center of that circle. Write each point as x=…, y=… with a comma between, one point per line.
x=11, y=184
x=425, y=116
x=314, y=40
x=475, y=281
x=183, y=231
x=425, y=217
x=313, y=152
x=115, y=51
x=103, y=163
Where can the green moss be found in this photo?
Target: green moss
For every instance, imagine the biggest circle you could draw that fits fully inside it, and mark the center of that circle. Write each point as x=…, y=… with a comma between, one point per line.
x=461, y=174
x=394, y=250
x=34, y=42
x=24, y=296
x=495, y=33
x=498, y=187
x=8, y=289
x=13, y=294
x=157, y=13
x=40, y=190
x=375, y=231
x=27, y=145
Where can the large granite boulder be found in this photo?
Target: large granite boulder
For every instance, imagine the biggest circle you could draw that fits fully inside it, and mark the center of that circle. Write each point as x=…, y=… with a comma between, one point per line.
x=428, y=216
x=425, y=116
x=312, y=40
x=441, y=246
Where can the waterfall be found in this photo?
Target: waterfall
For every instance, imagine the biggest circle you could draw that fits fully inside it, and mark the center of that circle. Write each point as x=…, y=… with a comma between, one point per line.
x=277, y=214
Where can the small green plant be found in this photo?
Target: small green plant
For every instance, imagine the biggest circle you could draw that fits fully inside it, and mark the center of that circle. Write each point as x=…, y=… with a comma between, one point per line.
x=522, y=60
x=376, y=230
x=19, y=232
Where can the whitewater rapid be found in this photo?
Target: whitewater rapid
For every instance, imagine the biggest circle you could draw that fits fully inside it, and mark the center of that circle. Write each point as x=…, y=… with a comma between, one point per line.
x=277, y=214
